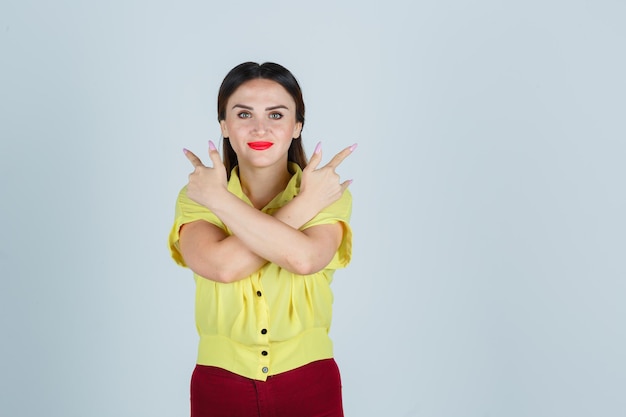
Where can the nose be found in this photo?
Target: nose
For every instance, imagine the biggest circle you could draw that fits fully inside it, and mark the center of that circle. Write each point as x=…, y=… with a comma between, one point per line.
x=259, y=127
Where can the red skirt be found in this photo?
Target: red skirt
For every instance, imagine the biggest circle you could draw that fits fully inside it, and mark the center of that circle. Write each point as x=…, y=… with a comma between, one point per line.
x=313, y=390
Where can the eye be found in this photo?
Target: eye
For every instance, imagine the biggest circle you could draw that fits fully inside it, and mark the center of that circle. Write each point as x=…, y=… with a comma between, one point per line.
x=244, y=115
x=275, y=116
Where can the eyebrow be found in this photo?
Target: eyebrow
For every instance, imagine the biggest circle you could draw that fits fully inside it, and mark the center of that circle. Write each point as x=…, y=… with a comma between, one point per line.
x=280, y=106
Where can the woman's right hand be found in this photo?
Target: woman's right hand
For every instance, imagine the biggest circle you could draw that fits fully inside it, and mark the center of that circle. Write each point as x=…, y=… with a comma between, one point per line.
x=321, y=186
x=206, y=183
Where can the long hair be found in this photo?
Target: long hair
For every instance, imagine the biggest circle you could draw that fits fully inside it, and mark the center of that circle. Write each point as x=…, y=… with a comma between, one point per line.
x=270, y=71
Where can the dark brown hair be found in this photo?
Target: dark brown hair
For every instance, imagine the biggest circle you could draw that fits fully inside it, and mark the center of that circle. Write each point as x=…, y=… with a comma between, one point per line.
x=269, y=71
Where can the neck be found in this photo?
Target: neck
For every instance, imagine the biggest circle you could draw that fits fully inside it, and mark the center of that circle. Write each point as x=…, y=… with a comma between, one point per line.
x=261, y=185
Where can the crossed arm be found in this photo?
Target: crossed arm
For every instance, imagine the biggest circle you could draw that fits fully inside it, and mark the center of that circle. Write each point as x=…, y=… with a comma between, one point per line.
x=258, y=237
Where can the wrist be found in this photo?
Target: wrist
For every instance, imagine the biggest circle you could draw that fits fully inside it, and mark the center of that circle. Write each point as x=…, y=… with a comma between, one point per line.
x=216, y=198
x=306, y=204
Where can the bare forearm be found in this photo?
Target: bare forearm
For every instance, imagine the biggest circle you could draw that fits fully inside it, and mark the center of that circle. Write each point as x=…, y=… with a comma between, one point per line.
x=272, y=238
x=233, y=260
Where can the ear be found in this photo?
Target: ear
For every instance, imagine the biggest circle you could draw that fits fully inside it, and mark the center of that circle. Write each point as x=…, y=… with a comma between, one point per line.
x=297, y=130
x=224, y=129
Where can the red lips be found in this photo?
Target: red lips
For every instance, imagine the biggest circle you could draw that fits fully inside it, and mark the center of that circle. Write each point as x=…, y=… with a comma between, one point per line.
x=260, y=146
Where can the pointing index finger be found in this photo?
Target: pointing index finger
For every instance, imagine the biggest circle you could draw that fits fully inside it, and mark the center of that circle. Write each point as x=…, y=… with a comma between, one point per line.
x=195, y=161
x=337, y=159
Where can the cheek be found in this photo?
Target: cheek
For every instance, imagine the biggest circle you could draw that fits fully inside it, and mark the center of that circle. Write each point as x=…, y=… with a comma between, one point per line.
x=287, y=130
x=232, y=129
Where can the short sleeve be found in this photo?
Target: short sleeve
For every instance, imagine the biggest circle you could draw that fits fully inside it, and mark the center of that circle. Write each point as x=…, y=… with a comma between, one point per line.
x=188, y=211
x=339, y=211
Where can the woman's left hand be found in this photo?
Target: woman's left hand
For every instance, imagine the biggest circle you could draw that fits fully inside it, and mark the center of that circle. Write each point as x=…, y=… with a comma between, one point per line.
x=322, y=185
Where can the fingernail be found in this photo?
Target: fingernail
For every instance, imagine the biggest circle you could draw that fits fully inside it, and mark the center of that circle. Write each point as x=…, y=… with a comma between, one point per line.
x=212, y=146
x=350, y=182
x=353, y=147
x=318, y=148
x=185, y=150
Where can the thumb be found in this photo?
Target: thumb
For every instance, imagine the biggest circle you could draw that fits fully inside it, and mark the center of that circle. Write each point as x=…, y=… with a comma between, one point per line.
x=316, y=158
x=215, y=155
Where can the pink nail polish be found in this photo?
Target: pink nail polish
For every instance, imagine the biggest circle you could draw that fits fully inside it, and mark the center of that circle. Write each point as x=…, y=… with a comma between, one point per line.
x=318, y=147
x=353, y=147
x=212, y=146
x=185, y=150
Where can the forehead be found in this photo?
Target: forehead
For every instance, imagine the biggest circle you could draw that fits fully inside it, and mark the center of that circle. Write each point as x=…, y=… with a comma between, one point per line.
x=262, y=91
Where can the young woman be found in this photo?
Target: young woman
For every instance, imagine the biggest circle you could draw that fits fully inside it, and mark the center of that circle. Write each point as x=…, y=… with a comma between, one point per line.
x=263, y=232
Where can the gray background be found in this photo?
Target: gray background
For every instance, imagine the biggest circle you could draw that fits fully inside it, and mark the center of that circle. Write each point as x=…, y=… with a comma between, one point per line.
x=488, y=270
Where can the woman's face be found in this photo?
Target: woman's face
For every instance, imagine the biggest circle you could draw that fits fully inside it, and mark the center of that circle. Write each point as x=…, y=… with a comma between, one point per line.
x=261, y=123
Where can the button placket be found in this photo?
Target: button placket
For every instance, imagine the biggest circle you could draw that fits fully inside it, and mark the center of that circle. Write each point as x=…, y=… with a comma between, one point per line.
x=262, y=322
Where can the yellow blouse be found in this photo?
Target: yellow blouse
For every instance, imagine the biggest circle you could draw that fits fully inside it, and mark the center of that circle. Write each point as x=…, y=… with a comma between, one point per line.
x=274, y=320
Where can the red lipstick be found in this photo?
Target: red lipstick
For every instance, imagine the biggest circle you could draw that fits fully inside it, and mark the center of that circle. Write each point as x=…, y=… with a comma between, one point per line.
x=260, y=146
